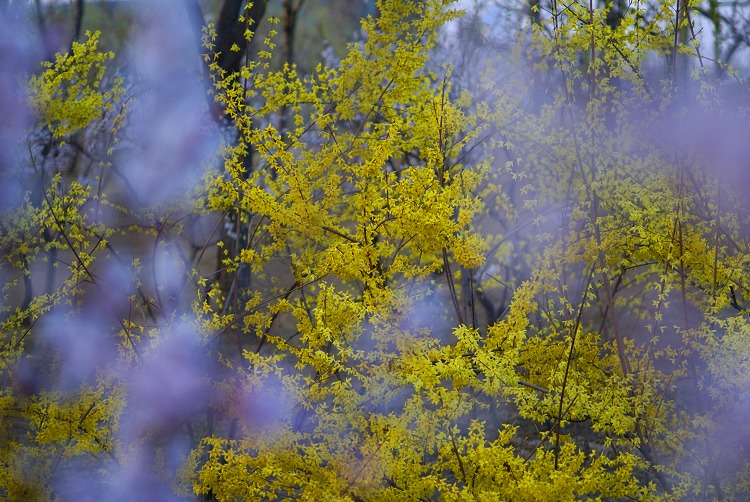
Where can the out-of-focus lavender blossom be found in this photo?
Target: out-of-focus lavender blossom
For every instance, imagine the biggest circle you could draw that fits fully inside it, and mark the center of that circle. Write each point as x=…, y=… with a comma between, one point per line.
x=170, y=127
x=81, y=485
x=165, y=391
x=81, y=345
x=433, y=309
x=718, y=139
x=19, y=53
x=83, y=342
x=171, y=384
x=169, y=276
x=265, y=407
x=140, y=478
x=137, y=477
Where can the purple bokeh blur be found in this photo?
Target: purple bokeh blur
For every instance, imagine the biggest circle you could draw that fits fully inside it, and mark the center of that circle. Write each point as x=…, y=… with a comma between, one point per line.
x=19, y=52
x=171, y=386
x=83, y=342
x=265, y=407
x=171, y=383
x=172, y=134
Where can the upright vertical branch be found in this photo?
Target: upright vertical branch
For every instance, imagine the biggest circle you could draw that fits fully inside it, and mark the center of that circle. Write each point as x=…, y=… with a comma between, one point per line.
x=78, y=20
x=717, y=224
x=678, y=62
x=573, y=335
x=230, y=30
x=452, y=286
x=289, y=11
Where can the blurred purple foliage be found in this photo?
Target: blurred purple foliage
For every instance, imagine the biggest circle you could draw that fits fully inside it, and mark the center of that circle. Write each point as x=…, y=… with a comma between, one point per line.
x=169, y=126
x=19, y=51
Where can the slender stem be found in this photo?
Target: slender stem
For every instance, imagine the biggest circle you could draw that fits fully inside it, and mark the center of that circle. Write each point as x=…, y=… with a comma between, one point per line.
x=573, y=335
